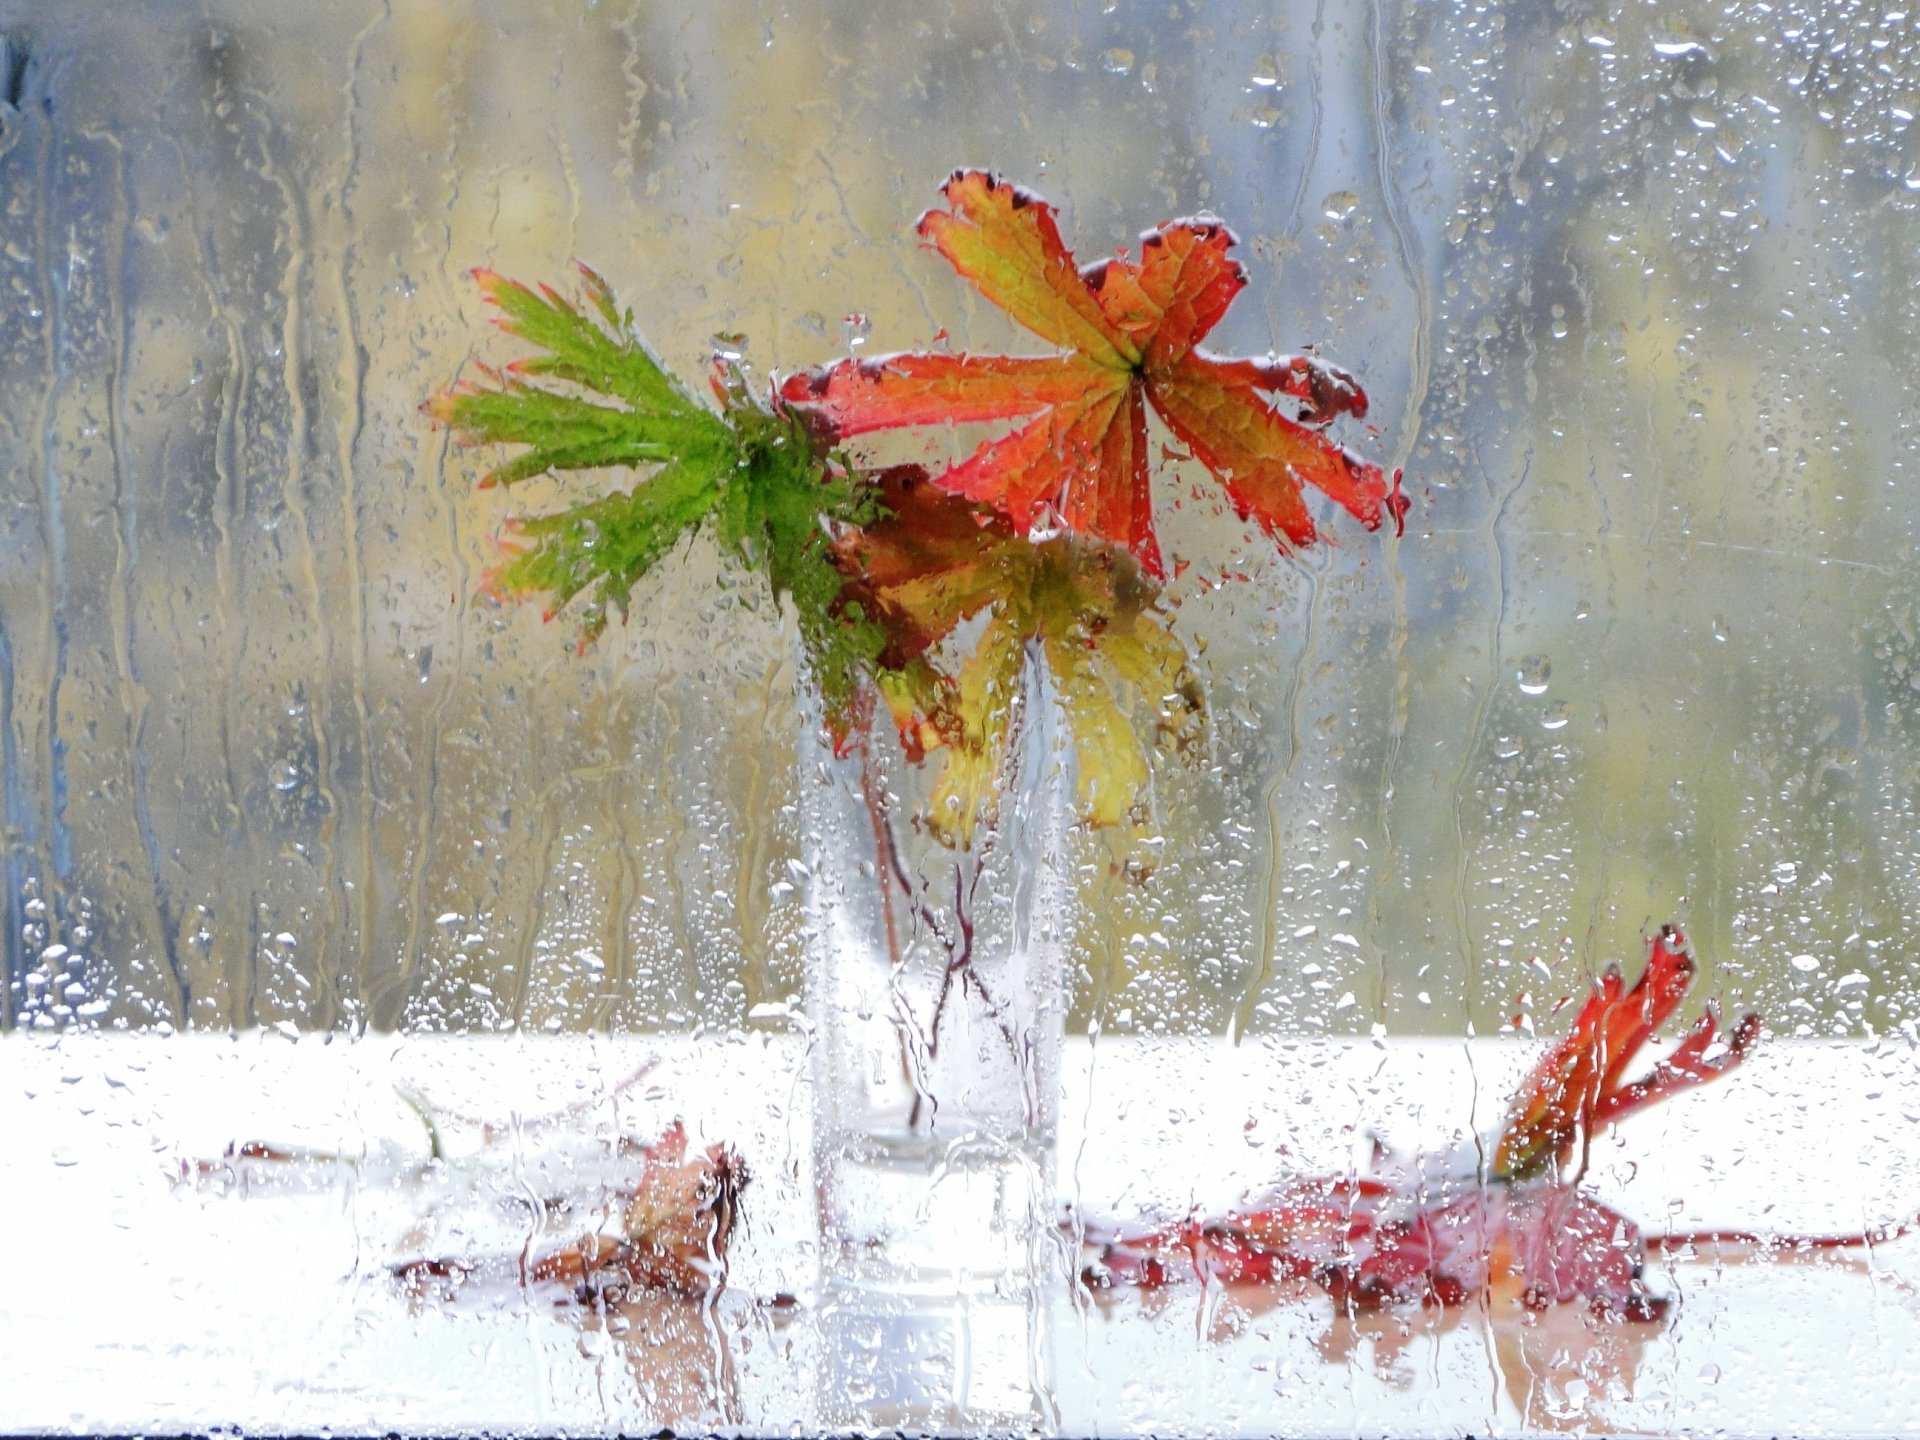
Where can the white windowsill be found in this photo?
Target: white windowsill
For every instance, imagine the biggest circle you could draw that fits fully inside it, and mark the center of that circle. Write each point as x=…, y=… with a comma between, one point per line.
x=136, y=1302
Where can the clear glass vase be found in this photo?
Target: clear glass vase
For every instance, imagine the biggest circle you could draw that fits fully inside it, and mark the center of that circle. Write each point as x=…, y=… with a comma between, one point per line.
x=937, y=989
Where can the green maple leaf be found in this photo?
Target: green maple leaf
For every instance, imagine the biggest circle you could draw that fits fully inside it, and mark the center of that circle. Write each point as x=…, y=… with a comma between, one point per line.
x=594, y=397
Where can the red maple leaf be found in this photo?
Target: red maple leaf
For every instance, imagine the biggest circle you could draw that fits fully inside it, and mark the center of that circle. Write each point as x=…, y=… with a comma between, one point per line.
x=1579, y=1086
x=1436, y=1229
x=1078, y=453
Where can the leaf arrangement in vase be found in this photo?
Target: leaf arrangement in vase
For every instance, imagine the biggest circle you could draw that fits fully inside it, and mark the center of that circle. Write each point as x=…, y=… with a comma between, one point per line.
x=1047, y=532
x=1041, y=546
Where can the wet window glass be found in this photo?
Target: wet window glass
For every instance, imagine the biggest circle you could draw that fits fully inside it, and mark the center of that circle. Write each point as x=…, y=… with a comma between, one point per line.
x=1064, y=717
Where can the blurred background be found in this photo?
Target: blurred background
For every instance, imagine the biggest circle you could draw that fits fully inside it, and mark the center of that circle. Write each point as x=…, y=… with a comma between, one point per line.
x=1633, y=289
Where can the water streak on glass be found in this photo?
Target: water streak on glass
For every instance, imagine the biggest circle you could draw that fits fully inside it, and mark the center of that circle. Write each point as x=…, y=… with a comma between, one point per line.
x=1633, y=295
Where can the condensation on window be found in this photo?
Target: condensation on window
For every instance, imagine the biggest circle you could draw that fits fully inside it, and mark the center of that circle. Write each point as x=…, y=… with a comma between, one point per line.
x=432, y=1005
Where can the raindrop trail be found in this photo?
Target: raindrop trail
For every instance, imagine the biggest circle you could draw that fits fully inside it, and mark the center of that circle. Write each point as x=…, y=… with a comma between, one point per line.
x=636, y=93
x=562, y=151
x=547, y=832
x=293, y=488
x=753, y=865
x=1418, y=367
x=225, y=508
x=617, y=974
x=126, y=509
x=18, y=823
x=1272, y=796
x=1687, y=543
x=1595, y=418
x=1406, y=248
x=352, y=368
x=389, y=994
x=1470, y=746
x=372, y=997
x=1317, y=111
x=52, y=838
x=679, y=835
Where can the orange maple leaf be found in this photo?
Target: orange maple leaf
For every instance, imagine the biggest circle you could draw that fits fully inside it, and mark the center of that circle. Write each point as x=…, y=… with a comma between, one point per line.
x=1132, y=329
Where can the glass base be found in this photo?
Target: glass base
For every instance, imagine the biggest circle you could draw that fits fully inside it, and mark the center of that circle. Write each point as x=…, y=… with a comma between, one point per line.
x=914, y=1214
x=966, y=1363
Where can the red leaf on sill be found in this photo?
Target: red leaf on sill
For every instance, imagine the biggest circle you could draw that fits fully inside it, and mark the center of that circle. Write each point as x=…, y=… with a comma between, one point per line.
x=1425, y=1232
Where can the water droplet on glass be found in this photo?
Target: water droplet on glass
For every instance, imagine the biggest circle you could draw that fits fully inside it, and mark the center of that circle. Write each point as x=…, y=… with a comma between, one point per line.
x=729, y=345
x=285, y=775
x=1720, y=630
x=1681, y=45
x=856, y=327
x=1805, y=964
x=1117, y=62
x=1556, y=715
x=1339, y=205
x=1703, y=118
x=1266, y=72
x=1505, y=747
x=1535, y=672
